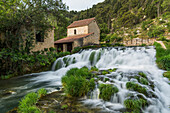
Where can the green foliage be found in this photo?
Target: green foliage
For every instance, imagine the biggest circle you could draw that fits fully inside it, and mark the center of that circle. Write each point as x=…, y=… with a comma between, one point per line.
x=27, y=62
x=106, y=91
x=42, y=92
x=94, y=68
x=135, y=104
x=142, y=74
x=155, y=31
x=136, y=87
x=83, y=72
x=163, y=57
x=64, y=106
x=76, y=49
x=92, y=84
x=91, y=58
x=106, y=79
x=146, y=24
x=112, y=70
x=27, y=105
x=167, y=74
x=104, y=72
x=75, y=86
x=75, y=82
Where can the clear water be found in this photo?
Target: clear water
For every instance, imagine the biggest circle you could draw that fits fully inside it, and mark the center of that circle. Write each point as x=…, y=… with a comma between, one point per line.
x=129, y=62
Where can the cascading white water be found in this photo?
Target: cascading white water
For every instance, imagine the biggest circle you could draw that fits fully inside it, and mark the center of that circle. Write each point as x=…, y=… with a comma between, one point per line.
x=128, y=61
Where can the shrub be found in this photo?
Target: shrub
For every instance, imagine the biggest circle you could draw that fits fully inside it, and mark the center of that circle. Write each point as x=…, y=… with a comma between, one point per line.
x=75, y=86
x=135, y=105
x=106, y=91
x=94, y=68
x=167, y=74
x=42, y=92
x=26, y=105
x=155, y=31
x=64, y=106
x=165, y=62
x=146, y=24
x=92, y=84
x=83, y=72
x=136, y=87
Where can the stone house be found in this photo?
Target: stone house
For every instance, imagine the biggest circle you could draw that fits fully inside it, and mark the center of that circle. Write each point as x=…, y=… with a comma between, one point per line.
x=79, y=33
x=40, y=42
x=43, y=41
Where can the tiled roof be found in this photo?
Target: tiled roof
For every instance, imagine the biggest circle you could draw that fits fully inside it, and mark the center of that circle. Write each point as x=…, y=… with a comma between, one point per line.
x=72, y=38
x=81, y=23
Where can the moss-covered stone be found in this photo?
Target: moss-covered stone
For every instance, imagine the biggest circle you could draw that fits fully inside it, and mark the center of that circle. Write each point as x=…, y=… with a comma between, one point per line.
x=167, y=74
x=135, y=105
x=91, y=58
x=136, y=87
x=106, y=91
x=142, y=74
x=104, y=72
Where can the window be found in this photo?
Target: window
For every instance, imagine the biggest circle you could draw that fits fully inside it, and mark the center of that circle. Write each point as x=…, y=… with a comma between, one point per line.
x=40, y=37
x=75, y=32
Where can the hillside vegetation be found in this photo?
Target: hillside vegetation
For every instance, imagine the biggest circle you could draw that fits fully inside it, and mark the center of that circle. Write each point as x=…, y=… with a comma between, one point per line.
x=117, y=16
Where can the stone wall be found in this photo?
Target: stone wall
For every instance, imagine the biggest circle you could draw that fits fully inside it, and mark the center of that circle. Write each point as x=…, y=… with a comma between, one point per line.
x=93, y=27
x=94, y=38
x=79, y=30
x=138, y=41
x=78, y=43
x=48, y=42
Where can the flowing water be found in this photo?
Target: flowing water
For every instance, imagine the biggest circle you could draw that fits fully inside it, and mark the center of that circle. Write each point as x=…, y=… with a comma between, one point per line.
x=128, y=61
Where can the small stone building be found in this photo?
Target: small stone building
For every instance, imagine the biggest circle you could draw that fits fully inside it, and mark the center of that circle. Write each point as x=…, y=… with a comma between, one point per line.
x=79, y=33
x=43, y=41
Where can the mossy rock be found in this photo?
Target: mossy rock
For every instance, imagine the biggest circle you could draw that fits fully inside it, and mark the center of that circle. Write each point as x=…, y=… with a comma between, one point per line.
x=104, y=72
x=167, y=74
x=135, y=105
x=112, y=70
x=91, y=58
x=142, y=75
x=136, y=87
x=106, y=91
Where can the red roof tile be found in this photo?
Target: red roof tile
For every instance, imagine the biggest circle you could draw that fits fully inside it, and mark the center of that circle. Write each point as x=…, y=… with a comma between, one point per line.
x=71, y=38
x=81, y=23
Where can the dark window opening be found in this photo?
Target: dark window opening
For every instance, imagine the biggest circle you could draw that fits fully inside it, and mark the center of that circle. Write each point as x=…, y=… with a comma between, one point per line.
x=75, y=32
x=40, y=37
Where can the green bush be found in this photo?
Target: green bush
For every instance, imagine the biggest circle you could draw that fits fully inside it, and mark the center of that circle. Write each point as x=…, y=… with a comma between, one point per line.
x=83, y=72
x=26, y=105
x=75, y=86
x=163, y=57
x=94, y=69
x=155, y=31
x=167, y=74
x=42, y=92
x=106, y=91
x=146, y=24
x=92, y=84
x=136, y=87
x=75, y=82
x=135, y=104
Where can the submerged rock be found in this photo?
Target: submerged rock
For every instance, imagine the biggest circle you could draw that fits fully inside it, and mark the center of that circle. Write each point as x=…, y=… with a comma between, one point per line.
x=57, y=102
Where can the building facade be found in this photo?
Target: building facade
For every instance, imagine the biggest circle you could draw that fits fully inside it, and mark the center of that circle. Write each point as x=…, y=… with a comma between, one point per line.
x=79, y=33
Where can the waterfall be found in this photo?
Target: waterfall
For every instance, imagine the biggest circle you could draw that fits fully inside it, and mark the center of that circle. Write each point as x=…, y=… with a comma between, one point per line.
x=129, y=61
